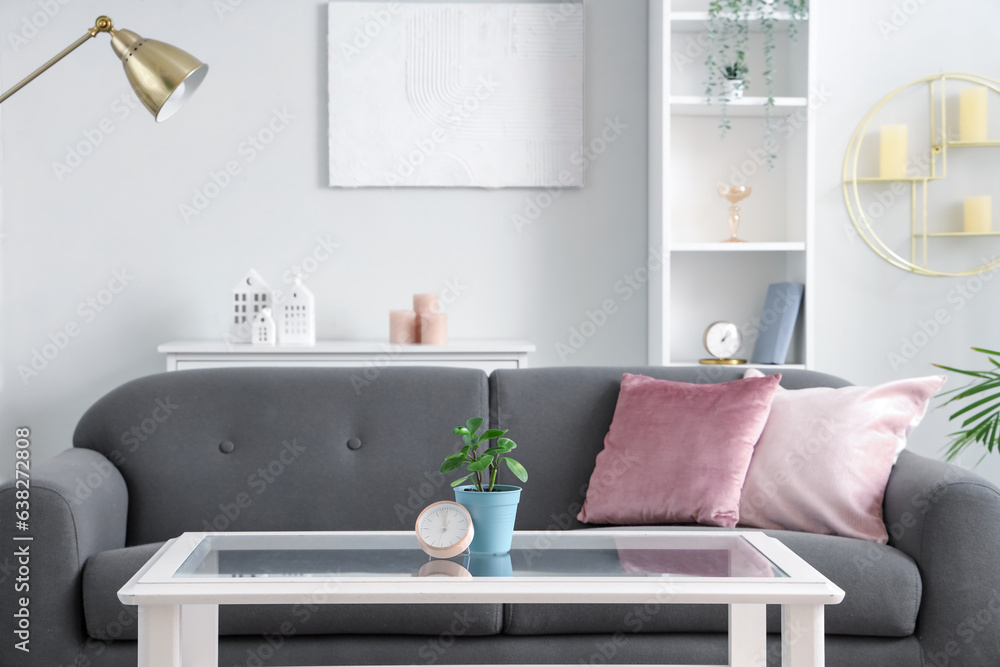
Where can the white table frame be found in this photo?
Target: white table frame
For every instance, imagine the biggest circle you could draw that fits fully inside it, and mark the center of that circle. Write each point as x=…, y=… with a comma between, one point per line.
x=179, y=619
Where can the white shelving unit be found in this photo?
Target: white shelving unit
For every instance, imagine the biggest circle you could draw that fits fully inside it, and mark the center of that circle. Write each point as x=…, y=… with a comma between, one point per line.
x=705, y=280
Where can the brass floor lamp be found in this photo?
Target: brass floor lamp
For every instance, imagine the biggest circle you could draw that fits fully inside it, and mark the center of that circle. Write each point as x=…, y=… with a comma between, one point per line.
x=163, y=76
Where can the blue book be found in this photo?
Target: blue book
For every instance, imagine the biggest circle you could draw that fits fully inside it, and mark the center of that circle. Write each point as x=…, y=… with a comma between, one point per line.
x=777, y=323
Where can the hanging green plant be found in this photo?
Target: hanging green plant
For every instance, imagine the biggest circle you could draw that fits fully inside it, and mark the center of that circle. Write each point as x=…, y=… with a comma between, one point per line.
x=729, y=39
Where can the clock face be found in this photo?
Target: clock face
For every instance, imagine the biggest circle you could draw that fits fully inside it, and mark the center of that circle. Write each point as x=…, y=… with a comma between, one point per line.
x=444, y=529
x=723, y=340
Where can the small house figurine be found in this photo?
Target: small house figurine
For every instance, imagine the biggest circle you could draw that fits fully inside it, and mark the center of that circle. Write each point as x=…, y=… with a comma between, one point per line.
x=297, y=316
x=250, y=296
x=264, y=331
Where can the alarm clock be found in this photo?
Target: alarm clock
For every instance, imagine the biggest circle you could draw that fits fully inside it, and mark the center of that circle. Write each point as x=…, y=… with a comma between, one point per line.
x=723, y=340
x=444, y=529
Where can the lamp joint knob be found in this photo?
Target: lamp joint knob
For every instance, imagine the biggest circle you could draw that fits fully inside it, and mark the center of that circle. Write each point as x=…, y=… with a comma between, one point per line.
x=103, y=24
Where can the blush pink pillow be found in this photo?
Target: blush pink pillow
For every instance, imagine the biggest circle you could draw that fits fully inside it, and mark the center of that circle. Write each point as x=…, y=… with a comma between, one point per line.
x=677, y=452
x=825, y=455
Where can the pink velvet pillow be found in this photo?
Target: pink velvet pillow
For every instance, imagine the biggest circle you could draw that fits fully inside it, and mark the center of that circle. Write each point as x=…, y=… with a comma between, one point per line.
x=825, y=455
x=677, y=452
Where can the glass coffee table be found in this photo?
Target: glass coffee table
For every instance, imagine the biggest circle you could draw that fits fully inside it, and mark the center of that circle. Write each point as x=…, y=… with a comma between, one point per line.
x=181, y=587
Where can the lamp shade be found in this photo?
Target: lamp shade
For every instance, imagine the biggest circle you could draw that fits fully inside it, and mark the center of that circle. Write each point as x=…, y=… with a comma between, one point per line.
x=163, y=76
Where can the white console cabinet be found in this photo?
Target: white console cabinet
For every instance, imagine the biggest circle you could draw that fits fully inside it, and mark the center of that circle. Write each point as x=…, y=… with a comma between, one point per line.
x=484, y=355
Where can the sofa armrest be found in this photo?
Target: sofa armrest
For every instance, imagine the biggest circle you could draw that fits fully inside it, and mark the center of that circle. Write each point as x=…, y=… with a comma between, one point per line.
x=947, y=519
x=78, y=502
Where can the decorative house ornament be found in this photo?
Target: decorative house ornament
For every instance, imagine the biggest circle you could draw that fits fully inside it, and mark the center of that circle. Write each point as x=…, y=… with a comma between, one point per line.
x=250, y=296
x=297, y=316
x=263, y=330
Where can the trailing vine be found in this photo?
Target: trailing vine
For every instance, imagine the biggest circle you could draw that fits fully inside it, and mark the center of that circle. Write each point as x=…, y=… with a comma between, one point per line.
x=728, y=38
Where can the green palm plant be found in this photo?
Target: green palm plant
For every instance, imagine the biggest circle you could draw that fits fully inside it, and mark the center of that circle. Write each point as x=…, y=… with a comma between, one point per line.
x=981, y=423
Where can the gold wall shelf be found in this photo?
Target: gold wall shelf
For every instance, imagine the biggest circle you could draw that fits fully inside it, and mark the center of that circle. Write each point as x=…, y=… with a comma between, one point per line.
x=938, y=145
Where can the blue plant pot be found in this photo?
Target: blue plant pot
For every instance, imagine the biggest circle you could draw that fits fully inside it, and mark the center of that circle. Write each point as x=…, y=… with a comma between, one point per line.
x=493, y=514
x=490, y=565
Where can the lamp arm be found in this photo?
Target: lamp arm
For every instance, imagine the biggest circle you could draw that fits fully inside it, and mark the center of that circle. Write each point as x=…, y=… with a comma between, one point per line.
x=103, y=24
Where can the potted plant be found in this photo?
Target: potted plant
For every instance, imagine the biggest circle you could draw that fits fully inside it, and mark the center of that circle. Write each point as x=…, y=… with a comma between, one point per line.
x=982, y=415
x=734, y=80
x=729, y=41
x=492, y=506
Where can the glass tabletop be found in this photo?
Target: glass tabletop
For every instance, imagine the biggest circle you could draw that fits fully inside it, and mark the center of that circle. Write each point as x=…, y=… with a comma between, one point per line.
x=591, y=554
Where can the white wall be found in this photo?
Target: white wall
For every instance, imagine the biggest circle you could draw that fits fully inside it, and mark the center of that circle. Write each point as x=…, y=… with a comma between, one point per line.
x=866, y=307
x=119, y=209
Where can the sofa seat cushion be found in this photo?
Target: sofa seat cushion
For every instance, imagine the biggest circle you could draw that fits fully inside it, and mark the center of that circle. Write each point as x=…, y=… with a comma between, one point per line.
x=881, y=584
x=108, y=619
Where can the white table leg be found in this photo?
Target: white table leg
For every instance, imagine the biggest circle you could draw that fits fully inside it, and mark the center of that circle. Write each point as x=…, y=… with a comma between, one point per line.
x=159, y=636
x=200, y=635
x=748, y=635
x=802, y=636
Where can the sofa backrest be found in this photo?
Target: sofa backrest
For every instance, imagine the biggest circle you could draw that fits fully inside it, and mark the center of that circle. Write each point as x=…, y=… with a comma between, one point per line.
x=253, y=449
x=559, y=417
x=282, y=449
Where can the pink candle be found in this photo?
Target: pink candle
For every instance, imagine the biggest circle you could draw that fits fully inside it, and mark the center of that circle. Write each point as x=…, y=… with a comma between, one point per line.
x=434, y=329
x=403, y=327
x=425, y=304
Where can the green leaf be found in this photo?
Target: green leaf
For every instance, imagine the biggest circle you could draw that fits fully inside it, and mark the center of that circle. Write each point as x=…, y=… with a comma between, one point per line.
x=973, y=406
x=474, y=424
x=459, y=481
x=507, y=444
x=467, y=439
x=979, y=416
x=971, y=390
x=517, y=469
x=490, y=434
x=481, y=464
x=465, y=450
x=451, y=464
x=494, y=451
x=976, y=374
x=985, y=351
x=460, y=430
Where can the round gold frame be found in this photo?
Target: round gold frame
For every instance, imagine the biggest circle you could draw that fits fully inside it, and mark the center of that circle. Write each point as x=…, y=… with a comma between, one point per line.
x=939, y=144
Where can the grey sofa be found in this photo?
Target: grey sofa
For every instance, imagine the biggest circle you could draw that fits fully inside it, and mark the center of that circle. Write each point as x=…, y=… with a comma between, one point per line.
x=330, y=449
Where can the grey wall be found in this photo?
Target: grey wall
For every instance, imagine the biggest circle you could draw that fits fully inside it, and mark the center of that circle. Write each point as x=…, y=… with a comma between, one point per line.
x=119, y=209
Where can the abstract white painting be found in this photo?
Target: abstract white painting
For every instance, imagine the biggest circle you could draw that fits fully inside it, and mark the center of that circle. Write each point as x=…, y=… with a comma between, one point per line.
x=456, y=94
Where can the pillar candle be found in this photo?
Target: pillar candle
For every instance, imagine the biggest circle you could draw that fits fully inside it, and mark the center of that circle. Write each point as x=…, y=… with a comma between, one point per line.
x=425, y=304
x=973, y=114
x=403, y=327
x=894, y=151
x=978, y=214
x=434, y=329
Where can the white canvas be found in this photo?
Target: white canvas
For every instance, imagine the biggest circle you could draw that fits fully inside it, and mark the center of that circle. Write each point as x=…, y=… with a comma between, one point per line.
x=456, y=94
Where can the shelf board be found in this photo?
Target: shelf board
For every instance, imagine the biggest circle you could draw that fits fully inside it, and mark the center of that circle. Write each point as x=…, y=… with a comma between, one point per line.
x=879, y=179
x=699, y=105
x=777, y=367
x=749, y=246
x=696, y=21
x=965, y=144
x=957, y=234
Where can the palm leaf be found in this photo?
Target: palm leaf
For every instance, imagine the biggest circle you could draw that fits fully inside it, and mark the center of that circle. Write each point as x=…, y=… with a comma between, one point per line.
x=973, y=406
